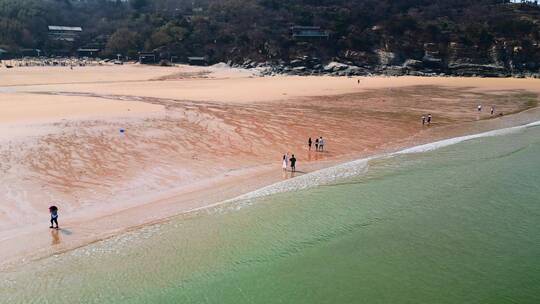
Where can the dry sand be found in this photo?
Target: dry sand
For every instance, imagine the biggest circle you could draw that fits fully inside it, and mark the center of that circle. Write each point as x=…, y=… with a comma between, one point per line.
x=196, y=136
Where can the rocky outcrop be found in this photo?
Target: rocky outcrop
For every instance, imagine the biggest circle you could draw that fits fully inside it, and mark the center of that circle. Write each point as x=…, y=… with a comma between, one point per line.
x=387, y=58
x=335, y=67
x=502, y=59
x=483, y=70
x=305, y=66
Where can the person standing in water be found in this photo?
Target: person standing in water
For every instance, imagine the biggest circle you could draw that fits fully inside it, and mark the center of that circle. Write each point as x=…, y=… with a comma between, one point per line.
x=479, y=108
x=316, y=144
x=54, y=216
x=429, y=119
x=284, y=164
x=423, y=120
x=492, y=111
x=321, y=144
x=293, y=163
x=309, y=142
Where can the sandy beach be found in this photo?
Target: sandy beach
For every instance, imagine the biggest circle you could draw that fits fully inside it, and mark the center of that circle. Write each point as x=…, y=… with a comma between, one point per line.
x=117, y=147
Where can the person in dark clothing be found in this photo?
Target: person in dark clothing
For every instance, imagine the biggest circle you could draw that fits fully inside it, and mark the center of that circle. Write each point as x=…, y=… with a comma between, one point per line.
x=309, y=142
x=54, y=216
x=316, y=144
x=293, y=163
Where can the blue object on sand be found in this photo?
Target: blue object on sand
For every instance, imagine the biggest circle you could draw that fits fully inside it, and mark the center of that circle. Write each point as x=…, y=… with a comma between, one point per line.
x=122, y=131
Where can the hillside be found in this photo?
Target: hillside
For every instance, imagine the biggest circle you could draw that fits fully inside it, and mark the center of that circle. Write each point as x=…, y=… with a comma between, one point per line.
x=460, y=37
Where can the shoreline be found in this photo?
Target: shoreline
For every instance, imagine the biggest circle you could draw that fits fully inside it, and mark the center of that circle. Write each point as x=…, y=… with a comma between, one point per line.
x=204, y=194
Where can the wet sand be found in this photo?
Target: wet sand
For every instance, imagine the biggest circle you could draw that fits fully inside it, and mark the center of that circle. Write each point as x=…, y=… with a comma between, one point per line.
x=197, y=136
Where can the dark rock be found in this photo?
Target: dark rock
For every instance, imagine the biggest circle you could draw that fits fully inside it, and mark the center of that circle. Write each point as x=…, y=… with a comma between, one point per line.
x=165, y=62
x=394, y=71
x=356, y=71
x=471, y=69
x=301, y=70
x=296, y=63
x=413, y=65
x=432, y=62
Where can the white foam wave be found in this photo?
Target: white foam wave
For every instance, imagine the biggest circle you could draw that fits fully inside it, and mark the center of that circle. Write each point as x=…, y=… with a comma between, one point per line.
x=320, y=177
x=452, y=141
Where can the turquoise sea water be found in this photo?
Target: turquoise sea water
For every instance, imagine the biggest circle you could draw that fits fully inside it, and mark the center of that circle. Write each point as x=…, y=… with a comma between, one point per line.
x=460, y=224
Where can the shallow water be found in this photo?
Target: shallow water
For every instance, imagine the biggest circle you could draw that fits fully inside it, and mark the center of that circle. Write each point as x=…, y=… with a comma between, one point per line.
x=460, y=224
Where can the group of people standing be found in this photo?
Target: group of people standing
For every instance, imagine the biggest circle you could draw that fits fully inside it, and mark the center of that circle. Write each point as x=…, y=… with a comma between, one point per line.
x=491, y=110
x=287, y=160
x=319, y=144
x=426, y=119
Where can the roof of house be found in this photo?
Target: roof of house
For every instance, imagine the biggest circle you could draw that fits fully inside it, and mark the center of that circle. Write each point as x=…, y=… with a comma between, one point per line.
x=65, y=28
x=305, y=27
x=88, y=50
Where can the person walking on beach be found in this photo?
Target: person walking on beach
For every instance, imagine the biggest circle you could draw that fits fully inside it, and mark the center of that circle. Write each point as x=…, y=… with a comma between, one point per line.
x=309, y=142
x=54, y=216
x=284, y=164
x=293, y=163
x=479, y=108
x=321, y=144
x=429, y=119
x=316, y=144
x=423, y=120
x=492, y=111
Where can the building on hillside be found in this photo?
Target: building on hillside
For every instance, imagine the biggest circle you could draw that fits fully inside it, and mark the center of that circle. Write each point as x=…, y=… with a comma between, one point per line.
x=64, y=33
x=30, y=52
x=88, y=52
x=147, y=57
x=309, y=32
x=195, y=60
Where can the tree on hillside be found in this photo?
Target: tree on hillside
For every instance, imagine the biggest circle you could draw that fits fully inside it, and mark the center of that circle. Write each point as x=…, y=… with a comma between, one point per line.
x=123, y=41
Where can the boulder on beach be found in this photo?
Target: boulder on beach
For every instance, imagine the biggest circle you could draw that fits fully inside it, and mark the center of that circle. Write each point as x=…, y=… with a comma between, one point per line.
x=335, y=67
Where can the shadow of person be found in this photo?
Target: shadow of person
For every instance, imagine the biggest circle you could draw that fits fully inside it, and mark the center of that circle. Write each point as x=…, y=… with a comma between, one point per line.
x=65, y=231
x=55, y=235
